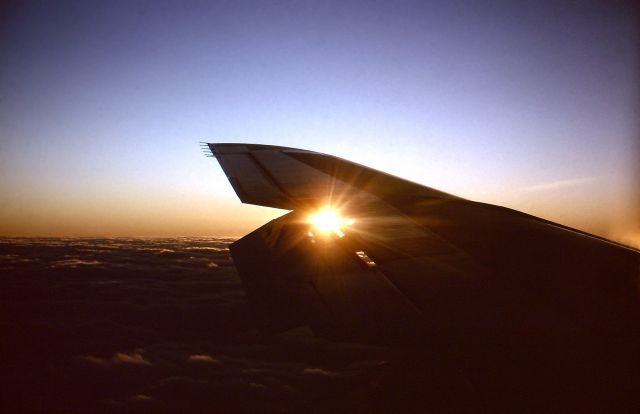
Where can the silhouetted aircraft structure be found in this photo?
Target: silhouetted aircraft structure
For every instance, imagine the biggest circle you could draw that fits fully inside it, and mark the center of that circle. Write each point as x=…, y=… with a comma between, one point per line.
x=365, y=256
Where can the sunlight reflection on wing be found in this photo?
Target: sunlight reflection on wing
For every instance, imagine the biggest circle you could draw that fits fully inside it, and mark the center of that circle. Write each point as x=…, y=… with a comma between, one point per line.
x=329, y=221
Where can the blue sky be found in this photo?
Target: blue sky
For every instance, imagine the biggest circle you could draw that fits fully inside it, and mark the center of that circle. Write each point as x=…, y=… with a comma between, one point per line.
x=533, y=105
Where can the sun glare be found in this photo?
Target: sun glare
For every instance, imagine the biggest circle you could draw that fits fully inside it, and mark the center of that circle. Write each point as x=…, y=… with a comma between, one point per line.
x=329, y=221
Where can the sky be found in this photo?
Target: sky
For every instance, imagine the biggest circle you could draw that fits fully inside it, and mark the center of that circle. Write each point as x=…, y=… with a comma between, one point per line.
x=530, y=105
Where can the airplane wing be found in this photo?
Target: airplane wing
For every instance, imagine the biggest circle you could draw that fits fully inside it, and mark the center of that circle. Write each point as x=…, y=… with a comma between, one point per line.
x=408, y=261
x=529, y=312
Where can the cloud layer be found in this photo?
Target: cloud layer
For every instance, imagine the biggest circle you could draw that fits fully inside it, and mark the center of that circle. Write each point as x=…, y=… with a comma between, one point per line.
x=102, y=325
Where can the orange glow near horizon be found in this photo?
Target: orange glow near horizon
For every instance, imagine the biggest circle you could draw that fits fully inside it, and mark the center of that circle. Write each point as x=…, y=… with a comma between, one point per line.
x=207, y=206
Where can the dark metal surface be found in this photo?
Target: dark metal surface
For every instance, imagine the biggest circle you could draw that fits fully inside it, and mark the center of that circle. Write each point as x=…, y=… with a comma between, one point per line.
x=509, y=296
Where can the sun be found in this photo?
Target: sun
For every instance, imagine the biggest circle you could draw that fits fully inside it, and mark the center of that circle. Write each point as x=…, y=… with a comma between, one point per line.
x=328, y=221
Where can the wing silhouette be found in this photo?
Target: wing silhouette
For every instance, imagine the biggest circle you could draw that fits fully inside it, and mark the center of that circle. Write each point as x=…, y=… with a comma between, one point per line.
x=415, y=263
x=534, y=315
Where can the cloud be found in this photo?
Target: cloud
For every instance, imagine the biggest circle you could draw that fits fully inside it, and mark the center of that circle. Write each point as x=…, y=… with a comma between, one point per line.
x=133, y=358
x=14, y=258
x=75, y=263
x=203, y=358
x=96, y=360
x=556, y=185
x=213, y=249
x=165, y=251
x=182, y=331
x=319, y=371
x=141, y=397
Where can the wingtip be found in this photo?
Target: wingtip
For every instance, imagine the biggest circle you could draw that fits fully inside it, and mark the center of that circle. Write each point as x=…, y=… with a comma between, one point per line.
x=206, y=148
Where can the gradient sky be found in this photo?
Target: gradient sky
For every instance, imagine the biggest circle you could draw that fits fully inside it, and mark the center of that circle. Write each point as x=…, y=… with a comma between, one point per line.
x=102, y=105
